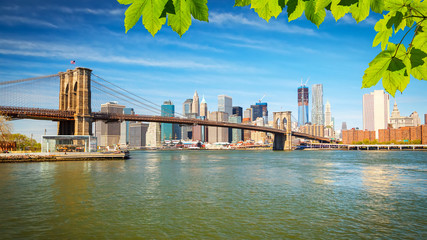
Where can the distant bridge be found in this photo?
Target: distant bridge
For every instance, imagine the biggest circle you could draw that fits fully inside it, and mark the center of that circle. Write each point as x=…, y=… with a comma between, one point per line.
x=75, y=116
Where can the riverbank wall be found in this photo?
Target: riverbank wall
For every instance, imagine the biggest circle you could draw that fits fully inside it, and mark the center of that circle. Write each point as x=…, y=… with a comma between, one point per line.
x=69, y=156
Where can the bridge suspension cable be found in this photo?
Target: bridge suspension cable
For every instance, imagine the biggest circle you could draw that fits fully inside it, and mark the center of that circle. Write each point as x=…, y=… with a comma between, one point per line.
x=147, y=107
x=125, y=100
x=156, y=109
x=27, y=79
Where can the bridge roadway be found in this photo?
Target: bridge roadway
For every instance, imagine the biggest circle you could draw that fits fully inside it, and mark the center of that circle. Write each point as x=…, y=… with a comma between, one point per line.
x=60, y=115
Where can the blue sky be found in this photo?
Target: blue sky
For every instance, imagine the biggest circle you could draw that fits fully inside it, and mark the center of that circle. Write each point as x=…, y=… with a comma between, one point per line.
x=236, y=53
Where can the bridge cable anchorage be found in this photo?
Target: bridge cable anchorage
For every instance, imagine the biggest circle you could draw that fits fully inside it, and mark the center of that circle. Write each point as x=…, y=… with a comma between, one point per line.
x=28, y=79
x=121, y=98
x=133, y=94
x=115, y=91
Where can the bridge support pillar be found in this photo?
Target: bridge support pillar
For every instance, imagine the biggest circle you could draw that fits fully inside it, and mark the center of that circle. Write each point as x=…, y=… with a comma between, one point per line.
x=282, y=142
x=75, y=95
x=282, y=120
x=279, y=142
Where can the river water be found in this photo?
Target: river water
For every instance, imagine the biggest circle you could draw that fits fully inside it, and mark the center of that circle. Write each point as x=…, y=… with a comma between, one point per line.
x=219, y=195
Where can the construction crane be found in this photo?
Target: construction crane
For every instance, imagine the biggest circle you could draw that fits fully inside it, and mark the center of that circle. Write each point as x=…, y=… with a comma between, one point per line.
x=261, y=98
x=305, y=82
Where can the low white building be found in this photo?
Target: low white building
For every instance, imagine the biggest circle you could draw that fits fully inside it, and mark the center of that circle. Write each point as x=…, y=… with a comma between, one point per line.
x=398, y=121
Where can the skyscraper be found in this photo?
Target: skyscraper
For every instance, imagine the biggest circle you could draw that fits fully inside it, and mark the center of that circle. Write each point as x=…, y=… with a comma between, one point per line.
x=137, y=134
x=108, y=133
x=153, y=135
x=376, y=111
x=302, y=105
x=124, y=128
x=317, y=104
x=187, y=107
x=264, y=111
x=256, y=111
x=344, y=126
x=329, y=121
x=238, y=111
x=195, y=106
x=328, y=115
x=225, y=104
x=218, y=134
x=236, y=134
x=203, y=108
x=167, y=129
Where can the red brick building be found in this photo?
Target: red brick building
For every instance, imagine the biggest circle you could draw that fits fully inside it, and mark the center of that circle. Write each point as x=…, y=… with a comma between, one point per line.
x=393, y=135
x=353, y=135
x=9, y=146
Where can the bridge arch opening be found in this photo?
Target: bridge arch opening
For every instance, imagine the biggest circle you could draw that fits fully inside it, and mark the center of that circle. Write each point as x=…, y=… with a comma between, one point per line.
x=66, y=98
x=74, y=101
x=285, y=122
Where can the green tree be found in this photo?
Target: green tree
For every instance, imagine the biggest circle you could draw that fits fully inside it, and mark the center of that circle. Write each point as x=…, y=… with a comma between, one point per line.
x=394, y=64
x=24, y=143
x=4, y=128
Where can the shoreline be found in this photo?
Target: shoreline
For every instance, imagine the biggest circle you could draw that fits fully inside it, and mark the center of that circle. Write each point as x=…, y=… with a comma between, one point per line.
x=57, y=157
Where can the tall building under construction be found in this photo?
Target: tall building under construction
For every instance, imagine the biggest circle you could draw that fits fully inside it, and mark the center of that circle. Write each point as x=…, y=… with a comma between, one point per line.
x=302, y=105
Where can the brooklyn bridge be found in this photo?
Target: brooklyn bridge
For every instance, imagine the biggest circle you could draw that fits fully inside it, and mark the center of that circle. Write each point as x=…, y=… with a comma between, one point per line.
x=75, y=115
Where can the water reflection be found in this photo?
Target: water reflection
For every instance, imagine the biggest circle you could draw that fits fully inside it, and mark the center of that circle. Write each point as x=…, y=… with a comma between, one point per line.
x=218, y=194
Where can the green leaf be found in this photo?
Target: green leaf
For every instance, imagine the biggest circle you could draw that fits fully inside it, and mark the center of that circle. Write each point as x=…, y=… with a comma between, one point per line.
x=388, y=66
x=125, y=2
x=338, y=11
x=383, y=34
x=347, y=3
x=169, y=8
x=242, y=3
x=396, y=5
x=377, y=6
x=420, y=40
x=421, y=7
x=181, y=20
x=295, y=9
x=396, y=20
x=282, y=3
x=419, y=64
x=199, y=9
x=394, y=78
x=266, y=8
x=360, y=11
x=311, y=14
x=151, y=15
x=376, y=69
x=404, y=55
x=321, y=4
x=133, y=13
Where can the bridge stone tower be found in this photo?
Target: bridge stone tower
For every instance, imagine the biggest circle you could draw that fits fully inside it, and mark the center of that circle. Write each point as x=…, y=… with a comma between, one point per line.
x=75, y=95
x=282, y=120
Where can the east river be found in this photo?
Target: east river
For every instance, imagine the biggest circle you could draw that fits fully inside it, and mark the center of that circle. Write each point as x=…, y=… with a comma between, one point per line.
x=219, y=195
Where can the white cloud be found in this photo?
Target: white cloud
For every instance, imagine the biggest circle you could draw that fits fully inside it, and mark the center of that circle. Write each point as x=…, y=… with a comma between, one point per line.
x=13, y=21
x=111, y=12
x=347, y=19
x=52, y=50
x=279, y=47
x=228, y=18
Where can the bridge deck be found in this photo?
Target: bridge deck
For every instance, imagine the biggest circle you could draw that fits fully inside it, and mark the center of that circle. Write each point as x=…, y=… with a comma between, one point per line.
x=59, y=115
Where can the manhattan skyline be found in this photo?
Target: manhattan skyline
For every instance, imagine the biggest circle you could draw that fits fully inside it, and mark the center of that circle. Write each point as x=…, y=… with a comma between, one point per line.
x=236, y=54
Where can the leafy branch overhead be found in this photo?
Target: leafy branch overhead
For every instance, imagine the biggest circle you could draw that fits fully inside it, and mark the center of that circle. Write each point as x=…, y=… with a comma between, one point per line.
x=394, y=64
